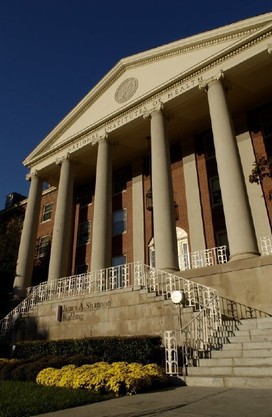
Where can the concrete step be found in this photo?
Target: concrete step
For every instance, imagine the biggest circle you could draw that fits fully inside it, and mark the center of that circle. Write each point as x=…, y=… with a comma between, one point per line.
x=251, y=338
x=240, y=361
x=229, y=381
x=251, y=371
x=254, y=331
x=254, y=353
x=263, y=323
x=245, y=361
x=247, y=345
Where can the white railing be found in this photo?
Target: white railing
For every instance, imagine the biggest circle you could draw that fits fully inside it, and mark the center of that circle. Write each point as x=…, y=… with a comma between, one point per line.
x=114, y=278
x=196, y=340
x=205, y=257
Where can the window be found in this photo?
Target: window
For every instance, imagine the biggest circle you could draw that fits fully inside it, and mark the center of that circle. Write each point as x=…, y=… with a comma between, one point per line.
x=266, y=126
x=151, y=246
x=119, y=185
x=266, y=122
x=222, y=238
x=47, y=212
x=209, y=145
x=81, y=269
x=118, y=261
x=120, y=179
x=85, y=198
x=84, y=233
x=119, y=222
x=215, y=191
x=43, y=246
x=183, y=249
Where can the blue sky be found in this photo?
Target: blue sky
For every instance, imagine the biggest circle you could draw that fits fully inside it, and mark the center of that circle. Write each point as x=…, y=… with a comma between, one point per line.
x=54, y=51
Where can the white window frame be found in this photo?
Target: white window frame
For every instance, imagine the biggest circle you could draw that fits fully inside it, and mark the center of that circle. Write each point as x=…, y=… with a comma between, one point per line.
x=47, y=212
x=43, y=246
x=183, y=249
x=152, y=253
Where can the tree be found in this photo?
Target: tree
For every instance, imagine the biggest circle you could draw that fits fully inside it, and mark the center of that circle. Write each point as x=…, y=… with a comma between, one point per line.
x=10, y=233
x=262, y=169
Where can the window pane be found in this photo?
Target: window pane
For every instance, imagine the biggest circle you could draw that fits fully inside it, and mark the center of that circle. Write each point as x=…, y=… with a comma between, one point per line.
x=119, y=222
x=81, y=269
x=43, y=246
x=215, y=191
x=118, y=260
x=84, y=233
x=120, y=271
x=47, y=212
x=85, y=198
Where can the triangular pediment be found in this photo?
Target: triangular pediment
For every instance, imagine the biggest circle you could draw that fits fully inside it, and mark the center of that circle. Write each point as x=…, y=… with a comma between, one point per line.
x=139, y=77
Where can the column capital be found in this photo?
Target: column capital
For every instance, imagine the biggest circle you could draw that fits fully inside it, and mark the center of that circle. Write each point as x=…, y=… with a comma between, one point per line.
x=33, y=174
x=205, y=84
x=102, y=138
x=269, y=49
x=158, y=107
x=60, y=160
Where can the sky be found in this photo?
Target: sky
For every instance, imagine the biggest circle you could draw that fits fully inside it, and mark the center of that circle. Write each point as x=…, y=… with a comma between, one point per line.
x=53, y=52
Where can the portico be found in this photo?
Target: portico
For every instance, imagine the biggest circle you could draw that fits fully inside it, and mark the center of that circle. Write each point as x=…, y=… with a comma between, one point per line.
x=156, y=94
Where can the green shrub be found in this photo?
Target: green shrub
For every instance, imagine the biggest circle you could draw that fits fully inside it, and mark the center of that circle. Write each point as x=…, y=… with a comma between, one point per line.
x=142, y=349
x=28, y=369
x=6, y=367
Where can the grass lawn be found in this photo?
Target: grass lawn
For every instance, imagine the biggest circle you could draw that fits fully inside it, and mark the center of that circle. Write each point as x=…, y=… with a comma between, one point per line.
x=24, y=399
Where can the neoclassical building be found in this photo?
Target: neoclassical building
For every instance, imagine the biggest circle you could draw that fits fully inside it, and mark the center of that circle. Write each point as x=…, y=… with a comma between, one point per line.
x=153, y=163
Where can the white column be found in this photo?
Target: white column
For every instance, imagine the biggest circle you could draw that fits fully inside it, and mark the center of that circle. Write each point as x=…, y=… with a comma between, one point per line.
x=138, y=213
x=102, y=220
x=62, y=233
x=166, y=254
x=29, y=235
x=240, y=229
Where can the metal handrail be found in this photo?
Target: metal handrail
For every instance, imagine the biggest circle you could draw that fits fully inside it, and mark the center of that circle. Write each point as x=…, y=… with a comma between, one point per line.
x=205, y=333
x=21, y=310
x=136, y=274
x=193, y=341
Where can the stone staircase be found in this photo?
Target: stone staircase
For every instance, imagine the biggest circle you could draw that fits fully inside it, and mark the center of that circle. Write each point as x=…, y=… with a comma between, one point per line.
x=245, y=361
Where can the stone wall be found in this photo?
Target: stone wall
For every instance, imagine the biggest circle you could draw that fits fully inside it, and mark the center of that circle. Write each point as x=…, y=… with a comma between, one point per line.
x=134, y=311
x=247, y=281
x=125, y=312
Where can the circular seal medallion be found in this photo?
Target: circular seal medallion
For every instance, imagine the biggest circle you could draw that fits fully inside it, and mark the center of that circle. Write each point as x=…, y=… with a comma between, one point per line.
x=126, y=90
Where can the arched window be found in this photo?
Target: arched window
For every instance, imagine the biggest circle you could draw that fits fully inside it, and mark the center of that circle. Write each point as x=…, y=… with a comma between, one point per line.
x=151, y=247
x=183, y=249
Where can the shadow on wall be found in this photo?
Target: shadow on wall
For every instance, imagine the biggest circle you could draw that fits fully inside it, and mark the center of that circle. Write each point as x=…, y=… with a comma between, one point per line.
x=25, y=328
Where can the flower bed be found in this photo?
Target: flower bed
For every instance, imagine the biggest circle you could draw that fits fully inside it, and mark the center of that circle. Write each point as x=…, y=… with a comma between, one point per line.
x=119, y=378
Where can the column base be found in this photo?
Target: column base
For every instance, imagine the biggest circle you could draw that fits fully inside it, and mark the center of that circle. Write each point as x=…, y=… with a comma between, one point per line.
x=244, y=255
